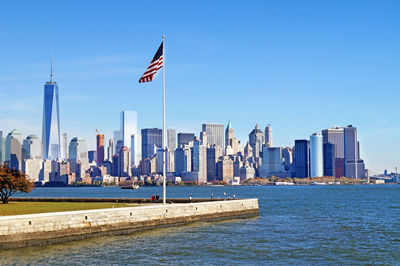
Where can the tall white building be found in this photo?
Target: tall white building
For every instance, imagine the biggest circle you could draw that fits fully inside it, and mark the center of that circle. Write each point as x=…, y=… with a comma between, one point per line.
x=136, y=149
x=110, y=149
x=64, y=146
x=171, y=137
x=316, y=155
x=268, y=135
x=199, y=158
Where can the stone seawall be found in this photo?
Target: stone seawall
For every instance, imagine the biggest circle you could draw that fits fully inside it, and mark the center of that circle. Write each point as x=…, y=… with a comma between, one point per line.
x=50, y=228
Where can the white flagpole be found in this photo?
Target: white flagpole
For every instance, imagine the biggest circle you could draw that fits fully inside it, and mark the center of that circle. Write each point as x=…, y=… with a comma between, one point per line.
x=163, y=131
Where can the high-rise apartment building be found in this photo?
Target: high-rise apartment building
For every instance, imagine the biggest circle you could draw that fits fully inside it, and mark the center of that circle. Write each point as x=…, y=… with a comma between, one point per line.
x=316, y=155
x=215, y=134
x=185, y=139
x=171, y=137
x=51, y=138
x=302, y=158
x=100, y=148
x=151, y=141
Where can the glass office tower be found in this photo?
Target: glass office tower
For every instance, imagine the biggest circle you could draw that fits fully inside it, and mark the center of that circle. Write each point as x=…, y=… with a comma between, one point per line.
x=316, y=155
x=51, y=137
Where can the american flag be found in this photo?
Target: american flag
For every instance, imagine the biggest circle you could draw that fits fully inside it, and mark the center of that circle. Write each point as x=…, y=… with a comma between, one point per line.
x=155, y=65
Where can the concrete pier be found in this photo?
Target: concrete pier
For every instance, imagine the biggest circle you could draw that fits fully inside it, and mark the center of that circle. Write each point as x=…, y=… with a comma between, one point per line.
x=51, y=228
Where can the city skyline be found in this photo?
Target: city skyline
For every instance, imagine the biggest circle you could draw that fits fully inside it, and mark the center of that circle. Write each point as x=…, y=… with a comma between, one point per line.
x=97, y=95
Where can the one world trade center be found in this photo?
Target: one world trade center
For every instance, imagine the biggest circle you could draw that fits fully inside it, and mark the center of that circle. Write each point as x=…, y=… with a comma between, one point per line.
x=51, y=120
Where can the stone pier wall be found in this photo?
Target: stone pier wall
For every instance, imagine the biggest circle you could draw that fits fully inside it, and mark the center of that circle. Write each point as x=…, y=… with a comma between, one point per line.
x=50, y=228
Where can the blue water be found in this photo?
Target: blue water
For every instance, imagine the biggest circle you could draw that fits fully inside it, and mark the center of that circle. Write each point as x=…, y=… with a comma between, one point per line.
x=297, y=225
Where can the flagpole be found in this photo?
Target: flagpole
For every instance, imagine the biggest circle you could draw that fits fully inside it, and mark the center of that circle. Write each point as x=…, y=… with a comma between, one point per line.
x=163, y=131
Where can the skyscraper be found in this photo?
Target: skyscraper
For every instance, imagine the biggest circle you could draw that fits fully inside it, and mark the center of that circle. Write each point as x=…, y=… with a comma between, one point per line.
x=2, y=148
x=268, y=135
x=185, y=139
x=78, y=157
x=213, y=154
x=329, y=159
x=272, y=163
x=100, y=148
x=171, y=136
x=316, y=156
x=14, y=149
x=287, y=154
x=335, y=135
x=256, y=140
x=302, y=158
x=128, y=126
x=199, y=155
x=136, y=149
x=151, y=140
x=32, y=148
x=51, y=138
x=183, y=162
x=78, y=150
x=110, y=149
x=354, y=166
x=215, y=134
x=64, y=146
x=229, y=134
x=124, y=162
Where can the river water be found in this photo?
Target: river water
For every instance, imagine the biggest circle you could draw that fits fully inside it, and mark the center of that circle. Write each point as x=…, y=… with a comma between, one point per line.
x=297, y=225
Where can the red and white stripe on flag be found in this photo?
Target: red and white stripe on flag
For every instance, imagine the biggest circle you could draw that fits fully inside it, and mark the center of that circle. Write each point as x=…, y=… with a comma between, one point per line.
x=155, y=65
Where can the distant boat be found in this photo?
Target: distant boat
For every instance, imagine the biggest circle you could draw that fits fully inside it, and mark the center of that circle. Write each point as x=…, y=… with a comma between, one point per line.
x=133, y=186
x=318, y=183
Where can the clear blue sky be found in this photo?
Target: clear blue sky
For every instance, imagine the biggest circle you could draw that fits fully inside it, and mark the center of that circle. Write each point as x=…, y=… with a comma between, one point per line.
x=301, y=66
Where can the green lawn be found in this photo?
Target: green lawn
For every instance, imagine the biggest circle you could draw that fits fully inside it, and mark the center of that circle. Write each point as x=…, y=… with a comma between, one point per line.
x=16, y=208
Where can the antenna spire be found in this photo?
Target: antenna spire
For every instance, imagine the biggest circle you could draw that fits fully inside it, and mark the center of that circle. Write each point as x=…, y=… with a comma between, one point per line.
x=51, y=68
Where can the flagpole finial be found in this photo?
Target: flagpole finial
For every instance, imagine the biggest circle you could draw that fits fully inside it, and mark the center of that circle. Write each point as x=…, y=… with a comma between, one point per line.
x=163, y=36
